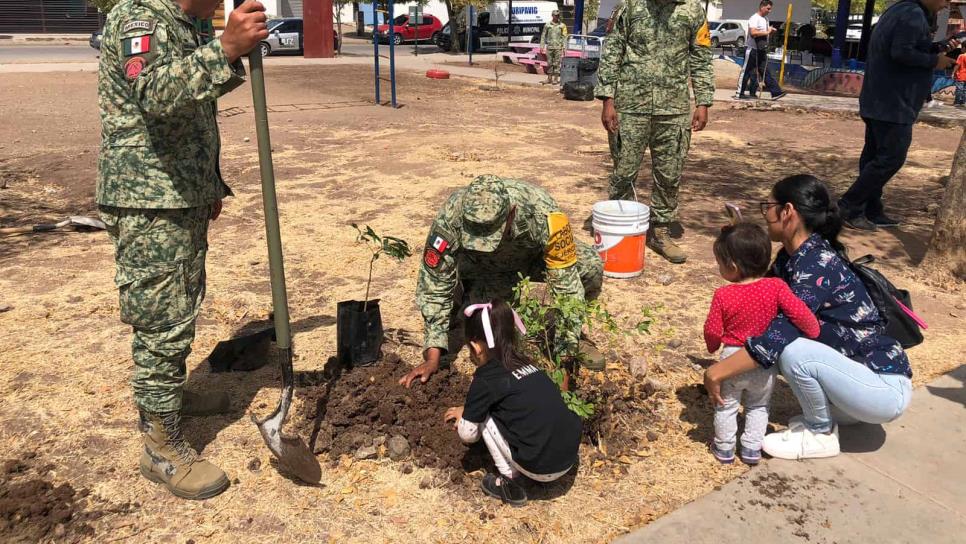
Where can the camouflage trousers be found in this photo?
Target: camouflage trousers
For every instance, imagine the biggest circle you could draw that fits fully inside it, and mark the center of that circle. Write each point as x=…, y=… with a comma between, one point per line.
x=160, y=260
x=553, y=61
x=590, y=268
x=668, y=137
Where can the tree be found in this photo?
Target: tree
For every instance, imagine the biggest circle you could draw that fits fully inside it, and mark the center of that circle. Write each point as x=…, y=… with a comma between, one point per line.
x=591, y=9
x=457, y=19
x=105, y=6
x=947, y=247
x=339, y=5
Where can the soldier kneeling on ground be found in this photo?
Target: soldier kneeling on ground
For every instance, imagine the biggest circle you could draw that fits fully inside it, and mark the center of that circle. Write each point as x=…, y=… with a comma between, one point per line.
x=485, y=237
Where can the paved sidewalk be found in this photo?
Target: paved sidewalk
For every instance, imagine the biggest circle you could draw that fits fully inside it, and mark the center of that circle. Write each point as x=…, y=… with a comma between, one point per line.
x=897, y=483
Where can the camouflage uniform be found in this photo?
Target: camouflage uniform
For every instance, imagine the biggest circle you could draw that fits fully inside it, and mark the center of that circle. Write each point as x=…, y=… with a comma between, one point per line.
x=655, y=47
x=554, y=40
x=158, y=179
x=467, y=248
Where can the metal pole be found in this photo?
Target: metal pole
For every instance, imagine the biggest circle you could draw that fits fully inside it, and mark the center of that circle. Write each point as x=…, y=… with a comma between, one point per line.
x=866, y=29
x=375, y=47
x=392, y=55
x=283, y=337
x=841, y=24
x=788, y=25
x=509, y=22
x=469, y=33
x=578, y=16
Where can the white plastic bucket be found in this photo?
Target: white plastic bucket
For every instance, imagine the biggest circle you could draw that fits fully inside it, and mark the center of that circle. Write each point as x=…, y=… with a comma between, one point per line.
x=620, y=231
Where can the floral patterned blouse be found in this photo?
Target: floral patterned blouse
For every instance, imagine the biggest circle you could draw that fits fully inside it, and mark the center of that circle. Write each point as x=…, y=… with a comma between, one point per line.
x=849, y=320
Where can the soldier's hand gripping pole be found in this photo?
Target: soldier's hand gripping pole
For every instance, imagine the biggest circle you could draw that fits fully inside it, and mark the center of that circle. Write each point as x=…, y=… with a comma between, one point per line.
x=294, y=457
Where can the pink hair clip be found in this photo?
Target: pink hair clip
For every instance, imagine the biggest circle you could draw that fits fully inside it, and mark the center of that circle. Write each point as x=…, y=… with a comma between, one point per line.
x=487, y=327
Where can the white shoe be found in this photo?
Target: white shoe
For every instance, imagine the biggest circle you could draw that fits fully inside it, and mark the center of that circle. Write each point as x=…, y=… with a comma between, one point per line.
x=800, y=443
x=933, y=104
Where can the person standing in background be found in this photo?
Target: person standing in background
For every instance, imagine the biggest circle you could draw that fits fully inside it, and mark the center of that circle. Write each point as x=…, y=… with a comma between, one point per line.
x=553, y=39
x=756, y=55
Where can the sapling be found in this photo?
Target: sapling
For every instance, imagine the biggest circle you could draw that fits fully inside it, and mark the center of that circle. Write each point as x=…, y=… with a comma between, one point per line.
x=396, y=248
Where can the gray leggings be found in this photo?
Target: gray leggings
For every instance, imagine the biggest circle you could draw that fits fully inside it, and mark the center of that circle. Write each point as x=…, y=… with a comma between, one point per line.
x=756, y=385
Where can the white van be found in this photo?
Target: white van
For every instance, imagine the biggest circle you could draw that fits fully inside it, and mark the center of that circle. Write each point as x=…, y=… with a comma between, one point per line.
x=491, y=28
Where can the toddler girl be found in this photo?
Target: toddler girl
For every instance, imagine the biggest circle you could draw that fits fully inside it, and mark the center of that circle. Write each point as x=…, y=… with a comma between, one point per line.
x=738, y=311
x=514, y=406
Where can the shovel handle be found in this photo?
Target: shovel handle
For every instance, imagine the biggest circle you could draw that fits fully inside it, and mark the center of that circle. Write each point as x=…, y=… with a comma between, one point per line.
x=272, y=231
x=36, y=228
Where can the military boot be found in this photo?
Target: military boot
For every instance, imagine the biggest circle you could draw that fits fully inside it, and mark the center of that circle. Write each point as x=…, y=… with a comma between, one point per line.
x=168, y=459
x=590, y=357
x=660, y=241
x=207, y=404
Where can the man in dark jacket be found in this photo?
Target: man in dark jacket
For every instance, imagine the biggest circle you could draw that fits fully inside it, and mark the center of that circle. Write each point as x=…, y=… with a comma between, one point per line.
x=898, y=78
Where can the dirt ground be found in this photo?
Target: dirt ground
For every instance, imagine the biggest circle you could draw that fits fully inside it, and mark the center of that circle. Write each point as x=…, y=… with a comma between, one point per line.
x=65, y=360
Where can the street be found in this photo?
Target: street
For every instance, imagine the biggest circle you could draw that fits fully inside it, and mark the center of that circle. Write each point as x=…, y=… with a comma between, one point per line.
x=81, y=52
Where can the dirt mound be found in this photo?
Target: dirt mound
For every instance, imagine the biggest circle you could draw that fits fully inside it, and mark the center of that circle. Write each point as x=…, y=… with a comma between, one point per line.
x=364, y=407
x=33, y=509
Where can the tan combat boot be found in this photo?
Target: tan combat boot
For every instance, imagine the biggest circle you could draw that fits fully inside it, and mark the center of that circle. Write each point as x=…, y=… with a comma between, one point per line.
x=660, y=241
x=168, y=459
x=207, y=404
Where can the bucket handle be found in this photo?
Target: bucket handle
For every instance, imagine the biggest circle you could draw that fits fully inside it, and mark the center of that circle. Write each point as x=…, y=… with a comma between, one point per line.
x=621, y=206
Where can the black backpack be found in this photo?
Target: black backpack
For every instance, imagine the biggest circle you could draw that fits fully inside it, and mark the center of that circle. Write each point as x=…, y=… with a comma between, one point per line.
x=575, y=90
x=894, y=304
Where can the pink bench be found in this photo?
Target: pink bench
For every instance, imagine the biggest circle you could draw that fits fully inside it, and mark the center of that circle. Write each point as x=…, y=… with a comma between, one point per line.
x=532, y=65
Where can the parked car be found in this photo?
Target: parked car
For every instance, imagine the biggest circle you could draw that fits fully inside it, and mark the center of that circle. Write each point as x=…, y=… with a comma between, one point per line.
x=287, y=35
x=726, y=32
x=405, y=29
x=96, y=39
x=853, y=32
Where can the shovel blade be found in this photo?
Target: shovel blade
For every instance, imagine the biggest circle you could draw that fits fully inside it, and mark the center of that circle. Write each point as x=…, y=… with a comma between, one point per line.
x=294, y=456
x=88, y=222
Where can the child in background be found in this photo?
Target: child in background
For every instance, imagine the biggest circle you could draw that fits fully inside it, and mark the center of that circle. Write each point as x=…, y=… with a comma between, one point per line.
x=738, y=311
x=513, y=406
x=959, y=75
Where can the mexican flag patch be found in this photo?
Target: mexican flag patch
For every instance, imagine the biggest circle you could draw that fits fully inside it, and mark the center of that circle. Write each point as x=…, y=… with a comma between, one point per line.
x=136, y=46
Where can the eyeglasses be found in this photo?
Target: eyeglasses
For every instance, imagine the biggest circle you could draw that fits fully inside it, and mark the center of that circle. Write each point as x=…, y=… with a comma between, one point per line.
x=765, y=206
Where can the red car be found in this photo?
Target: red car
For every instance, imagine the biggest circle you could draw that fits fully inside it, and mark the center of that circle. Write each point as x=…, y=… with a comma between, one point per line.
x=405, y=30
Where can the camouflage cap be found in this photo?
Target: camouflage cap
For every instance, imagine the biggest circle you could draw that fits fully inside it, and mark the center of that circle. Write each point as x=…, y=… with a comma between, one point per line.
x=485, y=206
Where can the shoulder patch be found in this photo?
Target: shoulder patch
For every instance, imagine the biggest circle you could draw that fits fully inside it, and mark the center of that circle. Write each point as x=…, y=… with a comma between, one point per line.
x=145, y=27
x=133, y=68
x=561, y=251
x=431, y=257
x=438, y=242
x=703, y=37
x=137, y=45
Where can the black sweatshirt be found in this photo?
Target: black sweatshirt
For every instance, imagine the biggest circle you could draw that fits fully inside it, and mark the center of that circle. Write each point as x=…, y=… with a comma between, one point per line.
x=527, y=408
x=900, y=64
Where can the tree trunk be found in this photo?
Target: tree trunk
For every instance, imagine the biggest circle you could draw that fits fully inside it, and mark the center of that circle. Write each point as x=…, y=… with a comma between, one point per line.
x=454, y=46
x=947, y=247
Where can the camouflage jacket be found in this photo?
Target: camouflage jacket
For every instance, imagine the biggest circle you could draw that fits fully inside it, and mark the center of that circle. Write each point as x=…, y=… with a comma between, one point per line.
x=655, y=46
x=554, y=36
x=157, y=86
x=529, y=249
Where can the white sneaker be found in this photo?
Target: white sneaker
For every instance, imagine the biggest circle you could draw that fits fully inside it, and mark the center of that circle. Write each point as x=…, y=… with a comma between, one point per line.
x=800, y=443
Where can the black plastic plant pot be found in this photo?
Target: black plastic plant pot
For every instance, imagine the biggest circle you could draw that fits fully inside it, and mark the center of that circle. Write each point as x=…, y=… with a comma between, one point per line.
x=359, y=332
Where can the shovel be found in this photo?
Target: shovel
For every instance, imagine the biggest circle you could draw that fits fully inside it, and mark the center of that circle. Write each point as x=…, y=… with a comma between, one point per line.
x=294, y=456
x=76, y=221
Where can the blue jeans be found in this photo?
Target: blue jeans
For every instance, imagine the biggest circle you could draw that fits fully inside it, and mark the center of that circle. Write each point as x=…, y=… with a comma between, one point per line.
x=960, y=92
x=824, y=381
x=756, y=65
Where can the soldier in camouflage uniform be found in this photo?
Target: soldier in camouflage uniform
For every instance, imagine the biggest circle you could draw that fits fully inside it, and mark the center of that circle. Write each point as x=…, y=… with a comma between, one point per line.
x=158, y=186
x=484, y=237
x=553, y=40
x=653, y=50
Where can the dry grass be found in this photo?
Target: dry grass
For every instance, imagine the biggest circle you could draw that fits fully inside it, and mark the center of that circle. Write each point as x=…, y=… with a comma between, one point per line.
x=66, y=360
